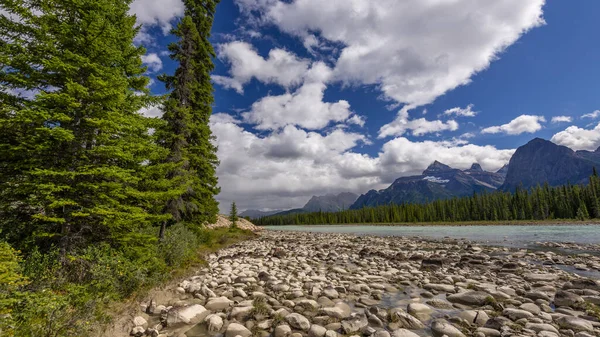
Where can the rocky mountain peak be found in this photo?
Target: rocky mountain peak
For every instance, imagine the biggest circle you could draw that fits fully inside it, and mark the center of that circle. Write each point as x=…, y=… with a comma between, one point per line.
x=437, y=167
x=476, y=167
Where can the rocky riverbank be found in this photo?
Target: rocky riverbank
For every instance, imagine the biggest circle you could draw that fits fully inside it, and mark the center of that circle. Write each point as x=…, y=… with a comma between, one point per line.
x=291, y=284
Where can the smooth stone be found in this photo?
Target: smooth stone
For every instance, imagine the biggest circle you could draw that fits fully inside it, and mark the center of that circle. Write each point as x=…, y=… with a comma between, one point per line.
x=476, y=317
x=574, y=323
x=515, y=314
x=537, y=327
x=189, y=315
x=341, y=310
x=218, y=304
x=469, y=298
x=404, y=333
x=488, y=332
x=282, y=330
x=420, y=311
x=236, y=329
x=140, y=321
x=354, y=323
x=441, y=327
x=298, y=321
x=531, y=307
x=407, y=321
x=531, y=277
x=215, y=323
x=316, y=331
x=331, y=333
x=567, y=299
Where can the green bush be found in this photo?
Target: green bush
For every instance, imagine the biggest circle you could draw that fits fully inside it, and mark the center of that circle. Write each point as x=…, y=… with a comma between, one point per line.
x=179, y=246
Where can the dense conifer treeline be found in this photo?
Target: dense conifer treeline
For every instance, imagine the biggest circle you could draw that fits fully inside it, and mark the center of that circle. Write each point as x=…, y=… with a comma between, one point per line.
x=97, y=200
x=539, y=203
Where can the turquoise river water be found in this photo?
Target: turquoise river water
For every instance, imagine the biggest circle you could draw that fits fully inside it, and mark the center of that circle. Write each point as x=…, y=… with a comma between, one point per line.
x=513, y=236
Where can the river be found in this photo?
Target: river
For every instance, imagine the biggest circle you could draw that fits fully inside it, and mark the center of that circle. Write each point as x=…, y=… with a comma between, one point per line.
x=505, y=235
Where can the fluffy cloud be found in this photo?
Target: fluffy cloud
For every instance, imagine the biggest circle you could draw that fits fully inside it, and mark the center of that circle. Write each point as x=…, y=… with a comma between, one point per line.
x=304, y=108
x=285, y=168
x=280, y=67
x=151, y=112
x=461, y=112
x=153, y=62
x=519, y=125
x=592, y=115
x=562, y=119
x=578, y=138
x=156, y=12
x=418, y=127
x=413, y=50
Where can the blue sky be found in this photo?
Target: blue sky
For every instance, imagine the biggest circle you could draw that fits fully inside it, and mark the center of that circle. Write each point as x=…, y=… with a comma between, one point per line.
x=317, y=97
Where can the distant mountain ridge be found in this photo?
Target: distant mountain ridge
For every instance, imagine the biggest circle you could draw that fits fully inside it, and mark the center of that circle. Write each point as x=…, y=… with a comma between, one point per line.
x=438, y=181
x=325, y=203
x=330, y=202
x=541, y=161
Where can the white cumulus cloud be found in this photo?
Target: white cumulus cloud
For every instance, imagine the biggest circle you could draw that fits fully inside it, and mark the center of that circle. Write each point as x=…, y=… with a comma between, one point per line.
x=461, y=112
x=561, y=119
x=592, y=115
x=156, y=12
x=519, y=125
x=304, y=107
x=418, y=127
x=578, y=138
x=284, y=168
x=280, y=67
x=414, y=50
x=153, y=62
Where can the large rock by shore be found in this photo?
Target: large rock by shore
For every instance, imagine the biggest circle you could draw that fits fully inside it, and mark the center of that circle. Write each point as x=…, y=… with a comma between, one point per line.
x=291, y=284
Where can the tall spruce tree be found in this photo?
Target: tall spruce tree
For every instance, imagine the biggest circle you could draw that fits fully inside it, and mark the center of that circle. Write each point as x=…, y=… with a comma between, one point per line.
x=72, y=142
x=187, y=110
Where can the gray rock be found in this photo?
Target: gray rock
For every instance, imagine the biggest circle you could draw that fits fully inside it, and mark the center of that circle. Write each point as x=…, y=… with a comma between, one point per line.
x=332, y=333
x=567, y=299
x=420, y=311
x=354, y=323
x=188, y=315
x=407, y=321
x=537, y=327
x=515, y=314
x=316, y=331
x=440, y=327
x=488, y=332
x=531, y=277
x=218, y=304
x=478, y=298
x=298, y=321
x=140, y=321
x=574, y=323
x=236, y=329
x=404, y=333
x=137, y=331
x=215, y=323
x=283, y=330
x=475, y=317
x=531, y=307
x=340, y=311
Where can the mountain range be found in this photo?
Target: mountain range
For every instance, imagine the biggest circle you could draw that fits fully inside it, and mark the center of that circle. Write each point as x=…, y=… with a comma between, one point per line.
x=324, y=203
x=438, y=181
x=538, y=162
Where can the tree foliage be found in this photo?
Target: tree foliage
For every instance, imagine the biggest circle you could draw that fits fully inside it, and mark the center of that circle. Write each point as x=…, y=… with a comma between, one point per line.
x=538, y=203
x=85, y=183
